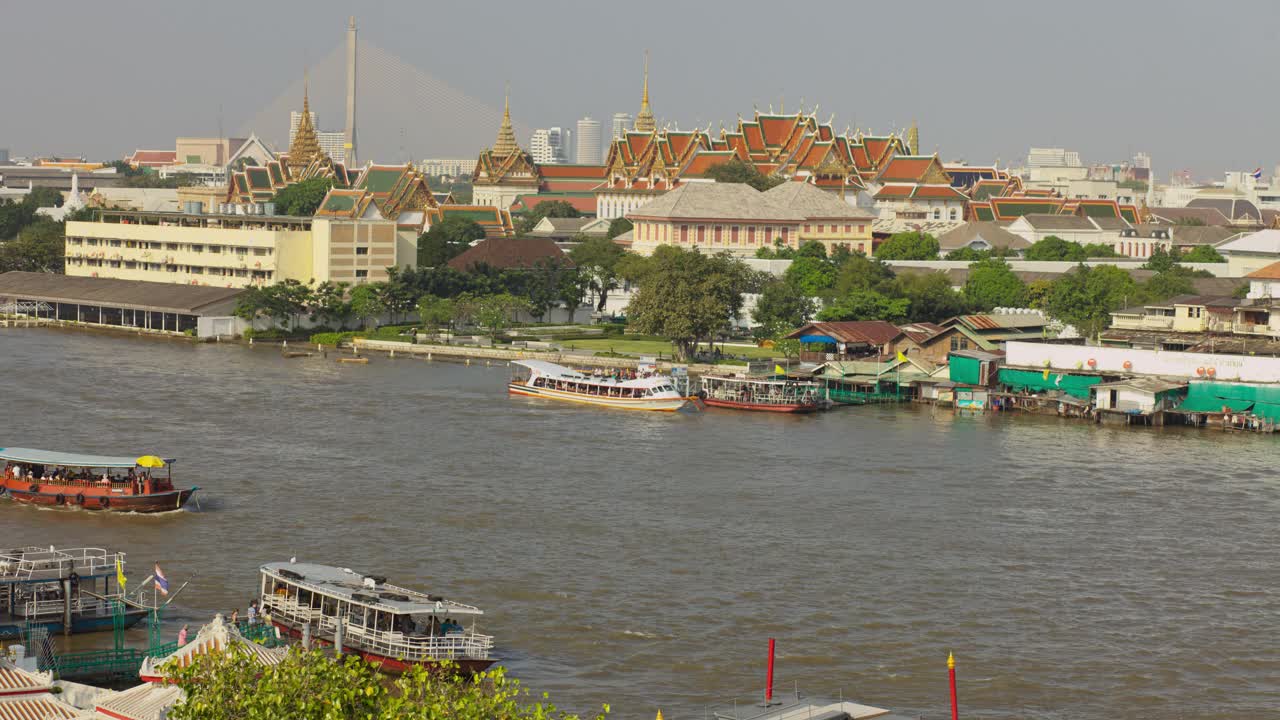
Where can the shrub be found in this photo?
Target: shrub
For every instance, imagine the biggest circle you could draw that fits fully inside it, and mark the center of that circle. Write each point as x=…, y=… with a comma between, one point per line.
x=333, y=338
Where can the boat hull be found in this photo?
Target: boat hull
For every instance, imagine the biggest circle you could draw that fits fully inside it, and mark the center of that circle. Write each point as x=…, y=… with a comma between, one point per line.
x=94, y=498
x=793, y=408
x=389, y=664
x=649, y=404
x=79, y=625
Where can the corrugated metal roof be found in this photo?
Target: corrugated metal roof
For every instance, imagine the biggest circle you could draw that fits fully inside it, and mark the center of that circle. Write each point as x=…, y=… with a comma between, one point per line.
x=132, y=294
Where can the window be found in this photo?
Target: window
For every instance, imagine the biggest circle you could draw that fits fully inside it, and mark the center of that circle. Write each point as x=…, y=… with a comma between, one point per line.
x=733, y=235
x=806, y=227
x=717, y=234
x=362, y=273
x=197, y=248
x=684, y=234
x=259, y=252
x=848, y=229
x=751, y=234
x=862, y=228
x=362, y=251
x=702, y=234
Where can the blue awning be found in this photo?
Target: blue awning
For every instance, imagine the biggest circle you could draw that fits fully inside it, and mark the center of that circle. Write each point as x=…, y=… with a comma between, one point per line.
x=60, y=459
x=817, y=339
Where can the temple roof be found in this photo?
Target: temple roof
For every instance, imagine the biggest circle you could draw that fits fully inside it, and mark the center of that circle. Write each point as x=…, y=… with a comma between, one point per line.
x=305, y=148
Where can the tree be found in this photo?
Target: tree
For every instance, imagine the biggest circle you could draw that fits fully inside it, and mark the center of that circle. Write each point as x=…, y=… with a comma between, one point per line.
x=866, y=304
x=545, y=209
x=931, y=296
x=495, y=312
x=43, y=197
x=618, y=226
x=252, y=304
x=860, y=271
x=908, y=246
x=1203, y=254
x=812, y=249
x=39, y=247
x=366, y=302
x=446, y=240
x=1161, y=260
x=781, y=308
x=398, y=296
x=329, y=304
x=1100, y=250
x=968, y=254
x=812, y=276
x=992, y=283
x=302, y=198
x=1165, y=285
x=234, y=685
x=435, y=312
x=597, y=259
x=686, y=296
x=543, y=286
x=1055, y=248
x=572, y=291
x=789, y=347
x=286, y=300
x=1086, y=296
x=737, y=171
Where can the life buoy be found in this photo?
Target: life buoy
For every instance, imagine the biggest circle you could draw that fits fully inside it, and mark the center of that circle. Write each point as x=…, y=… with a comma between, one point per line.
x=79, y=498
x=1200, y=371
x=104, y=502
x=60, y=499
x=1093, y=363
x=1211, y=371
x=1128, y=365
x=33, y=488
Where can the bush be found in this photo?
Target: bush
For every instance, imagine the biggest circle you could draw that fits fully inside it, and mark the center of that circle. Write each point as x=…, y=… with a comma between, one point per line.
x=269, y=334
x=333, y=338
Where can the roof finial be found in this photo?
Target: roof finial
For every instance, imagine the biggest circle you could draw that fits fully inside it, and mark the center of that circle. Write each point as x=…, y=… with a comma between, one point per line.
x=644, y=119
x=304, y=148
x=913, y=139
x=506, y=145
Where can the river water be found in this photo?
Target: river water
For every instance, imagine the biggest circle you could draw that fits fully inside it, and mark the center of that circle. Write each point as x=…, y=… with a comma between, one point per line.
x=644, y=559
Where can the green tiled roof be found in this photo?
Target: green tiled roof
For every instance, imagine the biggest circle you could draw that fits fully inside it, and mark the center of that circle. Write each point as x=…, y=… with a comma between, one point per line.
x=983, y=212
x=381, y=181
x=339, y=203
x=1027, y=208
x=258, y=177
x=477, y=215
x=1099, y=211
x=1129, y=214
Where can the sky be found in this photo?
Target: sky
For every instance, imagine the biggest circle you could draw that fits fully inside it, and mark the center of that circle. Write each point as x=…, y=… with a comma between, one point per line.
x=1187, y=82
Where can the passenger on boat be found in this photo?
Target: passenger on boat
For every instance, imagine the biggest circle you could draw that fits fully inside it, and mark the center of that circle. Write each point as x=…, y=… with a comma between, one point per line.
x=182, y=636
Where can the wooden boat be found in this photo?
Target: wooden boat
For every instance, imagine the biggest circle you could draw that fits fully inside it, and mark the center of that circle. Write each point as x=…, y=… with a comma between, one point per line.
x=91, y=482
x=766, y=394
x=392, y=627
x=64, y=591
x=541, y=379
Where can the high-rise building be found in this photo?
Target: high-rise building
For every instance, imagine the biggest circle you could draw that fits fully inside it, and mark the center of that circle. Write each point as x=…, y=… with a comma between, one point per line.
x=1052, y=157
x=540, y=148
x=621, y=124
x=588, y=142
x=559, y=140
x=1142, y=160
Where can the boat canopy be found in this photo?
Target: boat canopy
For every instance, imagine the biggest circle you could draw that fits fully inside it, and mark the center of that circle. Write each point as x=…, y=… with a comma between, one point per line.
x=369, y=590
x=60, y=459
x=549, y=369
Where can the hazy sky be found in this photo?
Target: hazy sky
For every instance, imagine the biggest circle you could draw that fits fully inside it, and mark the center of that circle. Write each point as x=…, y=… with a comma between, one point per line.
x=1191, y=83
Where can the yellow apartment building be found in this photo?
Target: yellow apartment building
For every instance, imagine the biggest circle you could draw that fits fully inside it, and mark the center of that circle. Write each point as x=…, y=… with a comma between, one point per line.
x=234, y=250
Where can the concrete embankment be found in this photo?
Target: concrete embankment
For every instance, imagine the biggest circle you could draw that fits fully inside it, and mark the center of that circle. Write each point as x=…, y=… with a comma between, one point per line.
x=362, y=345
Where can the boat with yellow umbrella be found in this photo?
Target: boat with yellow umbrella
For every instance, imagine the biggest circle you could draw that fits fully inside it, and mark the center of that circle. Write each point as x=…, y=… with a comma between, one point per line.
x=91, y=482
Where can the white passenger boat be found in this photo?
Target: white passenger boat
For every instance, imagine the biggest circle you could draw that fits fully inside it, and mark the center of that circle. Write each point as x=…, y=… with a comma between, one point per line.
x=390, y=626
x=541, y=379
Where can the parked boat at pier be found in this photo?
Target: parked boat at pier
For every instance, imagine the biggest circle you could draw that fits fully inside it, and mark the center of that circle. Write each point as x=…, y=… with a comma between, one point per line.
x=767, y=394
x=542, y=379
x=64, y=591
x=388, y=625
x=91, y=482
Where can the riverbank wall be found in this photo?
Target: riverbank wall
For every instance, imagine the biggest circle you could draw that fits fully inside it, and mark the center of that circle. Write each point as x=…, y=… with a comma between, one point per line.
x=428, y=351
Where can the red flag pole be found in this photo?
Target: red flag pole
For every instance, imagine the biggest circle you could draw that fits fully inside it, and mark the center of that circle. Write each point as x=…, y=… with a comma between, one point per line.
x=768, y=682
x=951, y=671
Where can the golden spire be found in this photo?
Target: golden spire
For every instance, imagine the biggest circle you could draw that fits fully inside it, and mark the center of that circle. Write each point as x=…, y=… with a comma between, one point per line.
x=913, y=139
x=644, y=118
x=305, y=147
x=506, y=145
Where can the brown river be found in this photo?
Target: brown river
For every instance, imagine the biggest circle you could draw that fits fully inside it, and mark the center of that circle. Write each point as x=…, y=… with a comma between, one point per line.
x=644, y=559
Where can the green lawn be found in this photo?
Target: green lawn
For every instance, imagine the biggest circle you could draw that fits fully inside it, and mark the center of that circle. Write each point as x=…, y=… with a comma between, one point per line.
x=652, y=347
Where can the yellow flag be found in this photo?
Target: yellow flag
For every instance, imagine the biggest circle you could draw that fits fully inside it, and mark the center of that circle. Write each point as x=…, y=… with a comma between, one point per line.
x=1046, y=373
x=778, y=370
x=120, y=574
x=901, y=357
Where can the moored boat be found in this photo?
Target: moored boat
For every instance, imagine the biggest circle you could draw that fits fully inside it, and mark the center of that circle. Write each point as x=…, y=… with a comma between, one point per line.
x=767, y=394
x=390, y=626
x=65, y=591
x=542, y=379
x=91, y=482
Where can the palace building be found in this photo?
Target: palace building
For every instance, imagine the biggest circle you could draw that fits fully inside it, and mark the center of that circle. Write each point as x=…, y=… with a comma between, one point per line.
x=505, y=171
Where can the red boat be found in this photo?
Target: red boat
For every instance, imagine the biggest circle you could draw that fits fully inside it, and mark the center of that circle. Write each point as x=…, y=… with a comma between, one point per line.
x=91, y=482
x=762, y=394
x=393, y=627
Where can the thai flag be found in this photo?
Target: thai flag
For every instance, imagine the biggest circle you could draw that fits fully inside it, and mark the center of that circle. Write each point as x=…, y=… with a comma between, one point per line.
x=162, y=583
x=1257, y=174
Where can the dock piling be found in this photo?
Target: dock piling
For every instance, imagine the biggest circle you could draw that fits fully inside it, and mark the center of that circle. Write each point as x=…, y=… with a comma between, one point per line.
x=337, y=637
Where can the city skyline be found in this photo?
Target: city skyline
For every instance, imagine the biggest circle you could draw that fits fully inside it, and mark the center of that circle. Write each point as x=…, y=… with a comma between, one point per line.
x=1159, y=98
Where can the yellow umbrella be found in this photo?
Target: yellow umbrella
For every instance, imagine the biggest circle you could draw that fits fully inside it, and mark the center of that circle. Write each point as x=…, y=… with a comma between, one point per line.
x=150, y=461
